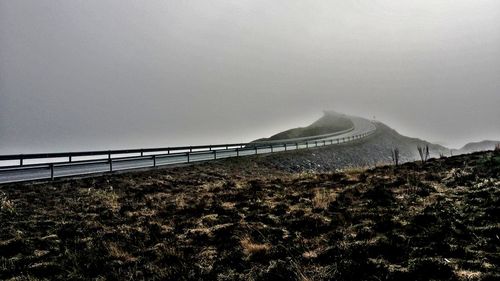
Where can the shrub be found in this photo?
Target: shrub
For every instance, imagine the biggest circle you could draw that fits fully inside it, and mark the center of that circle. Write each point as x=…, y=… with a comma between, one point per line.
x=251, y=248
x=395, y=156
x=322, y=198
x=6, y=205
x=423, y=151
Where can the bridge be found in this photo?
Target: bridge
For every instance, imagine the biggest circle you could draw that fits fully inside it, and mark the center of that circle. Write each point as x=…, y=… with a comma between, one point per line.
x=43, y=166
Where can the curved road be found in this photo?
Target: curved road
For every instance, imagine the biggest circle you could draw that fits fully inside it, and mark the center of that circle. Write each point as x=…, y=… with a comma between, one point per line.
x=362, y=128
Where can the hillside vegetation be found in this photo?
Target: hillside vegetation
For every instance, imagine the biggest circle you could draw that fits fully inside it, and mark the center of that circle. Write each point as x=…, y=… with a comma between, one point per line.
x=238, y=220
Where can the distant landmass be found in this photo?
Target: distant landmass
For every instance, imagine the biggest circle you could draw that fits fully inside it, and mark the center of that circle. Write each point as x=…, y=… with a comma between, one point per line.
x=478, y=146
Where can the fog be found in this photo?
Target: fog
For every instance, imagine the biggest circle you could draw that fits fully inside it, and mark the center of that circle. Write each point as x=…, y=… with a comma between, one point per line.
x=94, y=74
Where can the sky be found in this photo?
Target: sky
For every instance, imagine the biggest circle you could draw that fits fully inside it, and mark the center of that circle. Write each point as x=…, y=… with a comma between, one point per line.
x=94, y=74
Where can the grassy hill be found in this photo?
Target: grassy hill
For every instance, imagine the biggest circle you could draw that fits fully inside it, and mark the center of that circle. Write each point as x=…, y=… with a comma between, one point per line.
x=224, y=221
x=330, y=122
x=328, y=213
x=367, y=152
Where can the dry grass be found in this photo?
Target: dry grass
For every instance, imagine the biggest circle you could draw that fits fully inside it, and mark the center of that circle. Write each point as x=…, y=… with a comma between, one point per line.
x=180, y=201
x=6, y=205
x=355, y=170
x=108, y=198
x=322, y=198
x=118, y=253
x=468, y=275
x=310, y=255
x=358, y=225
x=213, y=186
x=251, y=248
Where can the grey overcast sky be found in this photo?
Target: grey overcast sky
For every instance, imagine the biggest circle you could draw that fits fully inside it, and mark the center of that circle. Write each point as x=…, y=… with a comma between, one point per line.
x=102, y=74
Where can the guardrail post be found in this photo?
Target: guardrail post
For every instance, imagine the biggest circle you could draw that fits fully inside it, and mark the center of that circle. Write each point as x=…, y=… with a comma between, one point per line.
x=215, y=154
x=296, y=145
x=190, y=149
x=187, y=154
x=70, y=159
x=142, y=152
x=307, y=144
x=324, y=142
x=109, y=155
x=338, y=141
x=316, y=143
x=237, y=152
x=51, y=171
x=154, y=160
x=285, y=146
x=227, y=147
x=110, y=165
x=21, y=160
x=168, y=150
x=272, y=148
x=256, y=150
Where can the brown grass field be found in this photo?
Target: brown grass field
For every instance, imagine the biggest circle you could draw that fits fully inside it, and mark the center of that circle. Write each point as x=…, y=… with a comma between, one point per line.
x=234, y=220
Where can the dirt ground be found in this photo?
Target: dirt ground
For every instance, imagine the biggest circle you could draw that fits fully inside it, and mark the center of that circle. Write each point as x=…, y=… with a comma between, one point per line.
x=234, y=220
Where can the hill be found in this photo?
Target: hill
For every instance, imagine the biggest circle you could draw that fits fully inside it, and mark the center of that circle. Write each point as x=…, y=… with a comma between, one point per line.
x=330, y=122
x=226, y=221
x=370, y=151
x=479, y=146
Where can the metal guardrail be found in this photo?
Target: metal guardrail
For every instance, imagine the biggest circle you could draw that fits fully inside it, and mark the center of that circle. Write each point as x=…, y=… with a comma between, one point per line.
x=110, y=157
x=142, y=151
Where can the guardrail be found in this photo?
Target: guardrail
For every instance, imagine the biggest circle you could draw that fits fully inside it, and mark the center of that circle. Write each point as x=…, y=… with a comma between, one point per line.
x=187, y=154
x=21, y=158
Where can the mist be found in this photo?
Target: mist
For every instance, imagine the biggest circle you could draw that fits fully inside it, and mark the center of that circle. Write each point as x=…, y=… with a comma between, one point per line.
x=80, y=75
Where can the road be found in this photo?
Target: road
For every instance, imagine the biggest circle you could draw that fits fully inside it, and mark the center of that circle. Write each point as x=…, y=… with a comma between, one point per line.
x=362, y=128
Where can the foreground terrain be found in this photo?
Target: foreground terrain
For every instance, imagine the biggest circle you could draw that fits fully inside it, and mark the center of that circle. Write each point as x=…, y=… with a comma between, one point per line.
x=237, y=220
